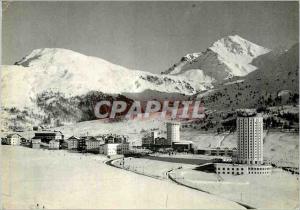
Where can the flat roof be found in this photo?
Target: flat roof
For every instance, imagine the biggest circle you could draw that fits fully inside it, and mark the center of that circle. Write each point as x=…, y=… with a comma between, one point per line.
x=182, y=142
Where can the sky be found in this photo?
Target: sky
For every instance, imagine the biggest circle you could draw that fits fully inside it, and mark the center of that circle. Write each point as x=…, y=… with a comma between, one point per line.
x=149, y=36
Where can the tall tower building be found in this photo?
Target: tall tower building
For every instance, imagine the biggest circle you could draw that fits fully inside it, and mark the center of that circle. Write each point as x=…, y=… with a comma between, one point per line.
x=154, y=135
x=173, y=132
x=250, y=139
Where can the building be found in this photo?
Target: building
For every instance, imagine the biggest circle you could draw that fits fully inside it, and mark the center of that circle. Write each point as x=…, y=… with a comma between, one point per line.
x=241, y=169
x=54, y=144
x=108, y=149
x=87, y=144
x=114, y=149
x=161, y=142
x=13, y=139
x=81, y=146
x=173, y=132
x=250, y=140
x=235, y=169
x=35, y=143
x=123, y=148
x=182, y=146
x=47, y=136
x=217, y=151
x=249, y=155
x=72, y=143
x=149, y=140
x=92, y=144
x=153, y=136
x=114, y=138
x=158, y=142
x=3, y=140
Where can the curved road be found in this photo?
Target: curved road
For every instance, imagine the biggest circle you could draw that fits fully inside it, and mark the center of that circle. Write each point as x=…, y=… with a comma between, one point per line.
x=109, y=162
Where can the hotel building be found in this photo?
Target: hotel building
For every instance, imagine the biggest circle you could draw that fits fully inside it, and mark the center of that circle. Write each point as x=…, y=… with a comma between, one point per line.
x=249, y=157
x=250, y=140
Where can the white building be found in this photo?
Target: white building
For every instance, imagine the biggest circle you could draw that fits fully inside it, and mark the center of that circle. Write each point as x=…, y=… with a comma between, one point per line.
x=114, y=149
x=241, y=169
x=173, y=132
x=35, y=143
x=250, y=140
x=13, y=139
x=249, y=157
x=53, y=144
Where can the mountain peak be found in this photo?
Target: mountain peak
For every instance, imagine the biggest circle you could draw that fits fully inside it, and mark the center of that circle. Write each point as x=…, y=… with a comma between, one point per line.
x=48, y=55
x=227, y=57
x=234, y=44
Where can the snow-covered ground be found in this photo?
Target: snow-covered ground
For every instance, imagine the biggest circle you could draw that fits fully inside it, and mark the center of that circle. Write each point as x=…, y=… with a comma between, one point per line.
x=277, y=191
x=282, y=148
x=148, y=167
x=62, y=180
x=206, y=140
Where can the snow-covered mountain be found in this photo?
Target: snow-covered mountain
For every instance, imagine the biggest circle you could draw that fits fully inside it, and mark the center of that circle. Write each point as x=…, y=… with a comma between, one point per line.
x=73, y=74
x=228, y=57
x=63, y=85
x=275, y=83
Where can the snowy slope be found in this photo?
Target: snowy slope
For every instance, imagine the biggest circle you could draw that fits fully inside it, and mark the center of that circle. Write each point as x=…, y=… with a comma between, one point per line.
x=228, y=57
x=72, y=73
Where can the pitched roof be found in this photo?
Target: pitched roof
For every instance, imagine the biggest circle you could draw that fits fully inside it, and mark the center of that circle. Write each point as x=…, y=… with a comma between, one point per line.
x=73, y=137
x=10, y=135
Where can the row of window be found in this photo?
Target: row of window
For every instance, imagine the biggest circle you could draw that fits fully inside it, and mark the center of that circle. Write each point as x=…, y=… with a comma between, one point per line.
x=231, y=168
x=231, y=173
x=254, y=172
x=259, y=169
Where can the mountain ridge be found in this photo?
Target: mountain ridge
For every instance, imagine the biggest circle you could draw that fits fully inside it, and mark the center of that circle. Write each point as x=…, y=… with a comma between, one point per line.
x=62, y=84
